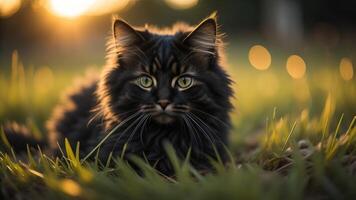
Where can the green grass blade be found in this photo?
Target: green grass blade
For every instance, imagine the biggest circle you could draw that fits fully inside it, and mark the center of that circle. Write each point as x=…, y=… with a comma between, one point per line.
x=289, y=136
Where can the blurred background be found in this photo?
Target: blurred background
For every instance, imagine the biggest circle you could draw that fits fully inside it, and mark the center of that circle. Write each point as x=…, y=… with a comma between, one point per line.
x=287, y=55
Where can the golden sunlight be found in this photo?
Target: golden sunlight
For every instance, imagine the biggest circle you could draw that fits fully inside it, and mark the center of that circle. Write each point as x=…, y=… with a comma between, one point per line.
x=296, y=66
x=9, y=7
x=100, y=7
x=259, y=57
x=70, y=8
x=346, y=69
x=181, y=4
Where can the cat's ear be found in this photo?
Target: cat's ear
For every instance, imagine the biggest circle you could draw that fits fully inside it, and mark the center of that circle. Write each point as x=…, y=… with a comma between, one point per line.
x=125, y=35
x=203, y=37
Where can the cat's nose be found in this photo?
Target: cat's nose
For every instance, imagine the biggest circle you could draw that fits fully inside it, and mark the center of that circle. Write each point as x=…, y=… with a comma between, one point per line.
x=163, y=103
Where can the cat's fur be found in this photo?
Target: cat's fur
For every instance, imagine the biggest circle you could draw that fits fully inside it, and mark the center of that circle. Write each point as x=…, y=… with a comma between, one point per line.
x=196, y=118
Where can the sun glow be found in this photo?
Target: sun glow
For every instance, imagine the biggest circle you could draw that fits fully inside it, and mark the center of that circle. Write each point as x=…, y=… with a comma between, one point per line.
x=182, y=4
x=100, y=7
x=9, y=7
x=70, y=8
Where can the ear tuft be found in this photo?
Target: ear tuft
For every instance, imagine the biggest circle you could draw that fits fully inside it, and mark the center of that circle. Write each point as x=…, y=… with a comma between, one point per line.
x=214, y=15
x=125, y=35
x=203, y=37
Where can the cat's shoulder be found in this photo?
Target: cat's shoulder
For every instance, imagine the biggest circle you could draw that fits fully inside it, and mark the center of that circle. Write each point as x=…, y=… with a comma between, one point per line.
x=81, y=93
x=76, y=104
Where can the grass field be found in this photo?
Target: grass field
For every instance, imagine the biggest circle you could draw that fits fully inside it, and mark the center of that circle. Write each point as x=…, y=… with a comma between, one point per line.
x=292, y=139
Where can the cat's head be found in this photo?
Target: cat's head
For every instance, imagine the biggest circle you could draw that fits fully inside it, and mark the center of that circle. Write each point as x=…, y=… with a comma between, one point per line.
x=168, y=76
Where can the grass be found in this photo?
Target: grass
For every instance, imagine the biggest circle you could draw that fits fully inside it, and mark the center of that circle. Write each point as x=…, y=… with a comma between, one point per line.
x=286, y=144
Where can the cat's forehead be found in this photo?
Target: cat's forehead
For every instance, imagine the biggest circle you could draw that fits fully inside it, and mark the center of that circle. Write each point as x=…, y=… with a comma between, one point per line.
x=166, y=57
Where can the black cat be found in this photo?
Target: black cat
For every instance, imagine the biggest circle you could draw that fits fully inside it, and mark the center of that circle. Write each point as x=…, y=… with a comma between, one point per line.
x=158, y=85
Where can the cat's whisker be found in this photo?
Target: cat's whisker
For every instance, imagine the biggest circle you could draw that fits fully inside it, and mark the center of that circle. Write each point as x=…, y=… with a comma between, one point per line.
x=128, y=128
x=180, y=110
x=202, y=130
x=212, y=116
x=196, y=132
x=211, y=130
x=93, y=118
x=143, y=127
x=207, y=136
x=148, y=110
x=147, y=106
x=109, y=134
x=209, y=133
x=127, y=120
x=130, y=111
x=141, y=122
x=192, y=132
x=197, y=50
x=182, y=106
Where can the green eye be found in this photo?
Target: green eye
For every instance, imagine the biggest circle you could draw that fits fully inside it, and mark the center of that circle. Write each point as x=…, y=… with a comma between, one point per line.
x=145, y=82
x=184, y=82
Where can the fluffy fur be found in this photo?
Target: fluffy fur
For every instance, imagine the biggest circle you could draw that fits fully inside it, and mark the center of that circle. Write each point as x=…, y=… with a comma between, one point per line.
x=192, y=119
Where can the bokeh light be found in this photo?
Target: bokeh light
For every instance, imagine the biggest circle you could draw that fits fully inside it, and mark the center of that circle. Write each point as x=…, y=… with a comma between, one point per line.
x=70, y=8
x=181, y=4
x=100, y=7
x=70, y=187
x=259, y=57
x=296, y=67
x=9, y=7
x=346, y=69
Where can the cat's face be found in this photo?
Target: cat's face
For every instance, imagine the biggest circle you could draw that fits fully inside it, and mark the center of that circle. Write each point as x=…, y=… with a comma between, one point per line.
x=166, y=77
x=164, y=89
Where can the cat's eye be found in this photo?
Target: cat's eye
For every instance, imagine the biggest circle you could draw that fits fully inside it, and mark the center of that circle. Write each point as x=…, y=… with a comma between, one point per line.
x=145, y=82
x=184, y=82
